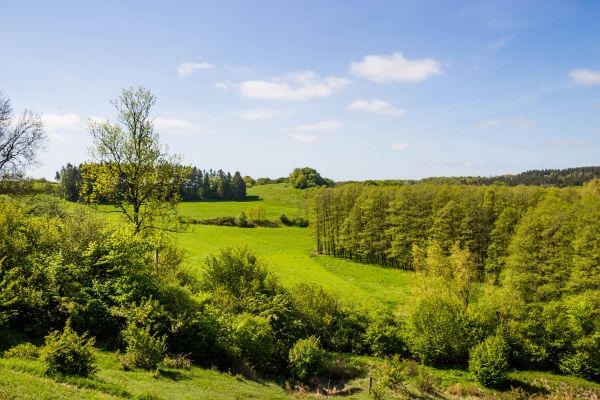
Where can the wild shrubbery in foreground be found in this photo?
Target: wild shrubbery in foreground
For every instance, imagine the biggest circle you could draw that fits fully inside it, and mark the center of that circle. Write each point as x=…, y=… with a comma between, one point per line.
x=58, y=266
x=67, y=353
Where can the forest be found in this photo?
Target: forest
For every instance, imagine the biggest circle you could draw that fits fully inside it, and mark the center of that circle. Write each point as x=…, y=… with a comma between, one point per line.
x=196, y=185
x=518, y=262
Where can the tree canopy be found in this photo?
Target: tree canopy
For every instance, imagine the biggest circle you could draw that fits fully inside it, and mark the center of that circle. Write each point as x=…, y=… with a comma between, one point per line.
x=20, y=138
x=133, y=172
x=303, y=178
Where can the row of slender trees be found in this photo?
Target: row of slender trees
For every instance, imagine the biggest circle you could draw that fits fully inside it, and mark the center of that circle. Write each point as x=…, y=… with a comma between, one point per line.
x=382, y=225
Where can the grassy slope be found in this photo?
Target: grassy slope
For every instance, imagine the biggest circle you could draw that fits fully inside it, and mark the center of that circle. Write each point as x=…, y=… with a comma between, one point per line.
x=287, y=250
x=24, y=379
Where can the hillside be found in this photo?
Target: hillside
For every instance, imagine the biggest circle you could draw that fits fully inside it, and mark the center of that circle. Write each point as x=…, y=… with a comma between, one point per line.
x=288, y=250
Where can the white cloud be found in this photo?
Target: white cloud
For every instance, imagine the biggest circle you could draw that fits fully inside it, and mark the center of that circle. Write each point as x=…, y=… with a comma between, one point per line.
x=57, y=126
x=256, y=114
x=304, y=137
x=395, y=68
x=174, y=126
x=186, y=69
x=296, y=86
x=300, y=134
x=488, y=123
x=407, y=146
x=585, y=77
x=378, y=107
x=318, y=126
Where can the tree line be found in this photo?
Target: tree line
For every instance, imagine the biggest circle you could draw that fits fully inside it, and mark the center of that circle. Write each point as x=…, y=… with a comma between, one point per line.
x=539, y=177
x=194, y=184
x=381, y=225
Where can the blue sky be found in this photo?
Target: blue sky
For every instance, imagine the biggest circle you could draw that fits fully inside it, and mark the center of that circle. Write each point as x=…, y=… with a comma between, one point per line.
x=358, y=90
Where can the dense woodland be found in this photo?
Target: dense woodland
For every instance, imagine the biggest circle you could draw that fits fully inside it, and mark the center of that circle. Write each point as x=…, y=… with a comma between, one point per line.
x=538, y=177
x=528, y=256
x=196, y=184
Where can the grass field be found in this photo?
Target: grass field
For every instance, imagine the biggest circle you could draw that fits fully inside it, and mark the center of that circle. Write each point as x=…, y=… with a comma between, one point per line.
x=287, y=250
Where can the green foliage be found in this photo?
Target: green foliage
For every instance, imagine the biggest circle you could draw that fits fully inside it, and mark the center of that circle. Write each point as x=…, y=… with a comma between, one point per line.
x=584, y=360
x=425, y=381
x=256, y=213
x=133, y=173
x=251, y=339
x=488, y=361
x=67, y=353
x=179, y=361
x=298, y=221
x=306, y=358
x=384, y=336
x=23, y=350
x=438, y=334
x=318, y=308
x=144, y=349
x=303, y=178
x=237, y=271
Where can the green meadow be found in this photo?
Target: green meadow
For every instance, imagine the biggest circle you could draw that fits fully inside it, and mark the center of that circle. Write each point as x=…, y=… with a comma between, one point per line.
x=288, y=251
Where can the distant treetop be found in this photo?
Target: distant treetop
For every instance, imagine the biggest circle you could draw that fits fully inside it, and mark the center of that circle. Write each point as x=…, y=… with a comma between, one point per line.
x=303, y=178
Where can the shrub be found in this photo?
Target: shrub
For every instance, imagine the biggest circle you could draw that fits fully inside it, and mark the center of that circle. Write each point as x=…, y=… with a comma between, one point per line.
x=24, y=351
x=301, y=222
x=584, y=362
x=425, y=381
x=242, y=220
x=68, y=353
x=319, y=310
x=306, y=358
x=237, y=271
x=179, y=361
x=298, y=221
x=285, y=220
x=251, y=337
x=438, y=335
x=349, y=331
x=384, y=336
x=489, y=361
x=144, y=350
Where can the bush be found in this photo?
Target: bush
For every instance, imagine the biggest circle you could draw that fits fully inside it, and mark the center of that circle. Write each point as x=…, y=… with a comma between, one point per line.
x=144, y=350
x=237, y=271
x=306, y=358
x=319, y=310
x=584, y=362
x=251, y=338
x=298, y=221
x=24, y=351
x=425, y=381
x=489, y=361
x=179, y=361
x=285, y=220
x=68, y=353
x=384, y=336
x=438, y=335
